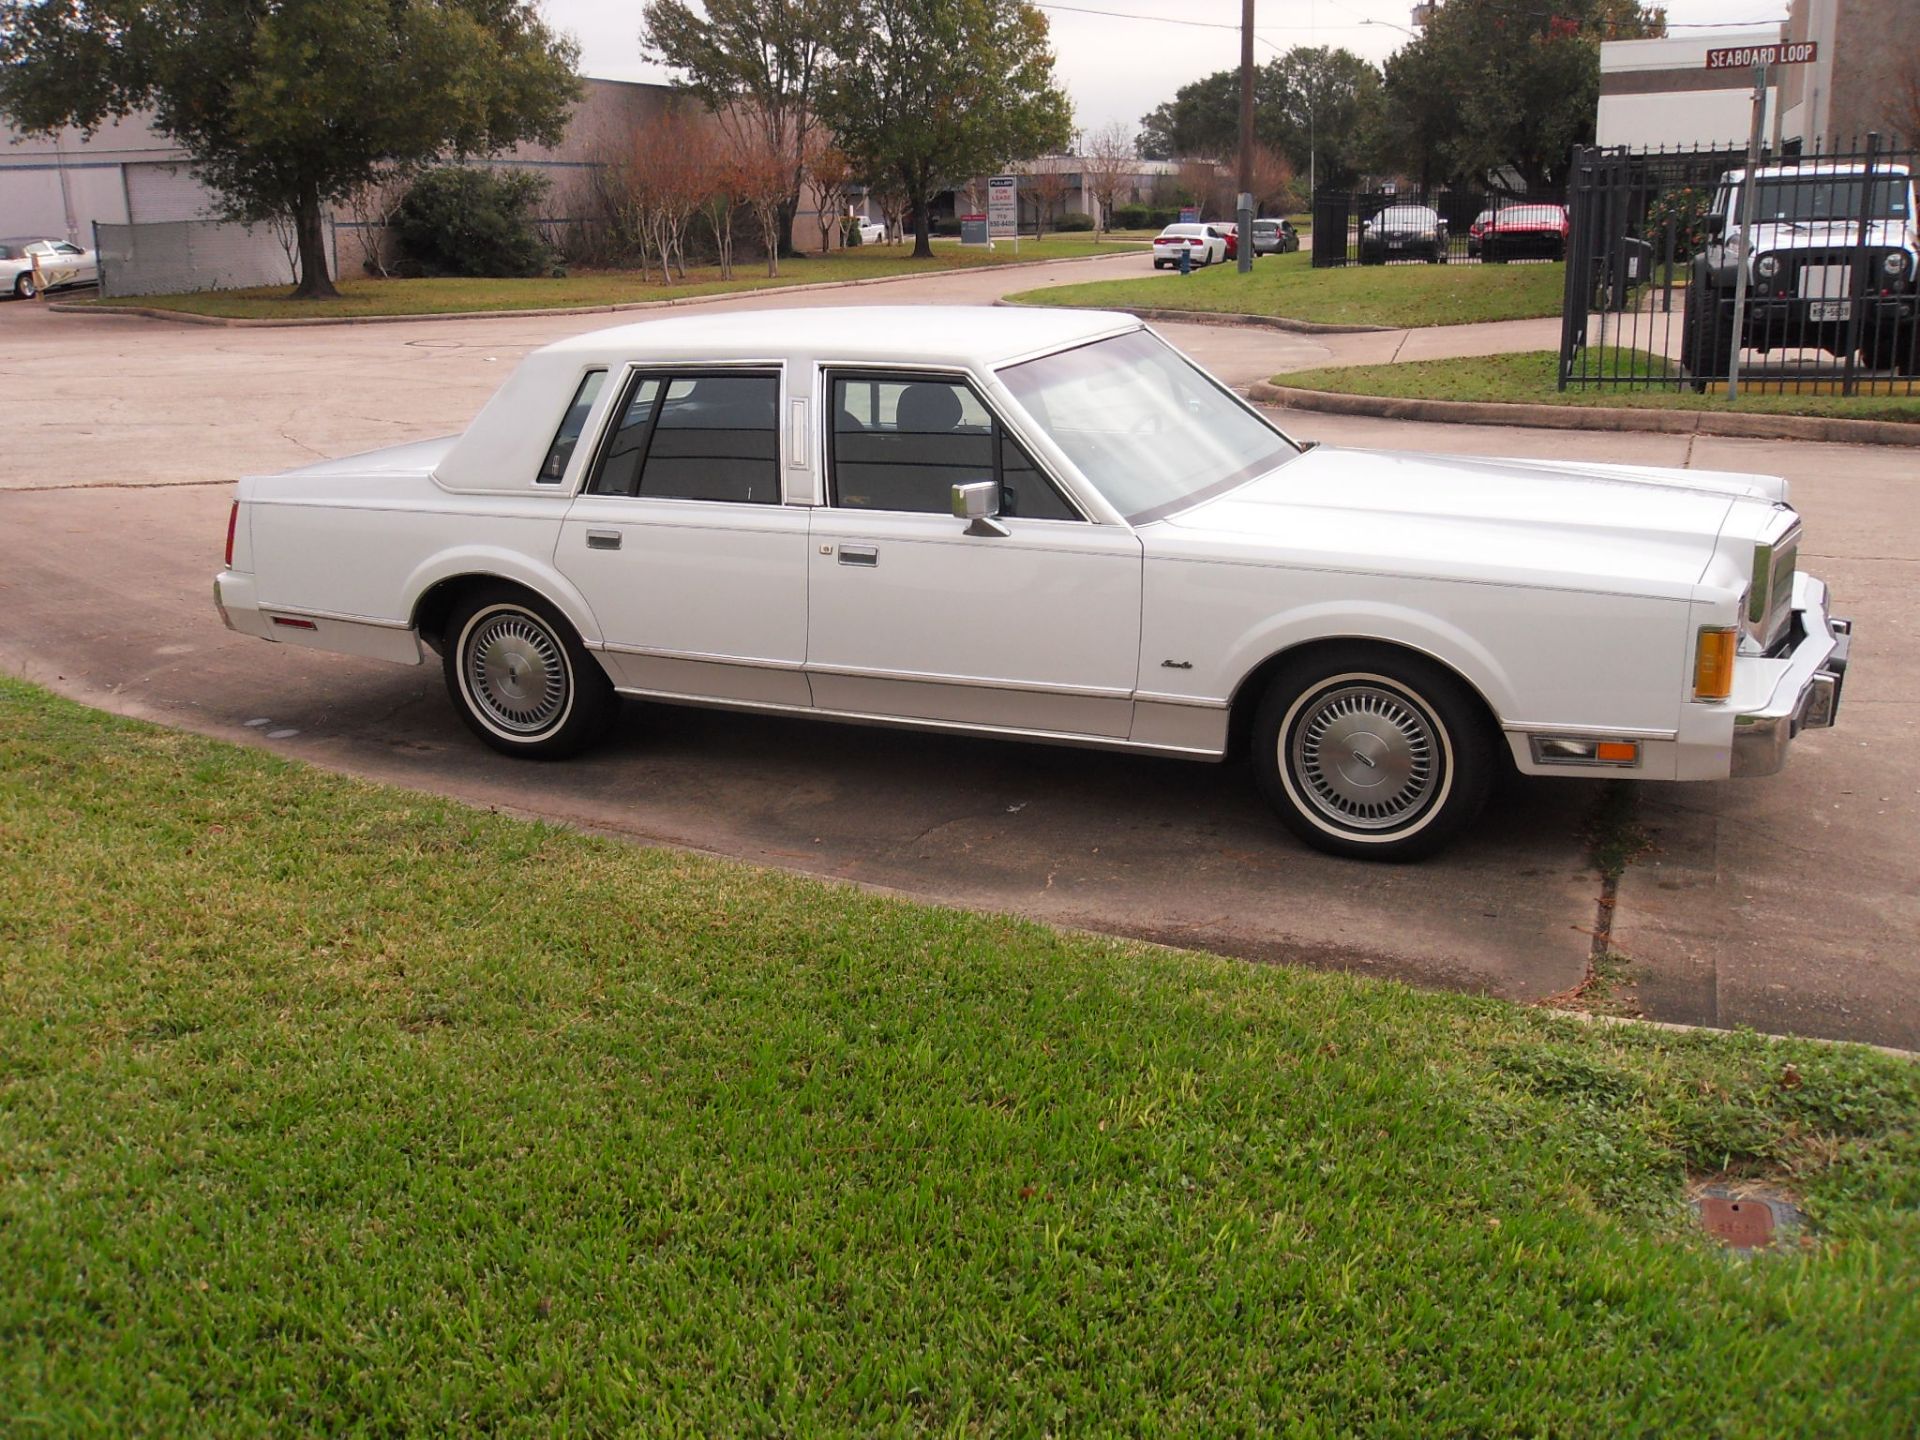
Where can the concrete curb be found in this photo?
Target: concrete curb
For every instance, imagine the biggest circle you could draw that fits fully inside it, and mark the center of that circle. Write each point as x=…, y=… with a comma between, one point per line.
x=1579, y=417
x=233, y=323
x=1210, y=317
x=1674, y=1027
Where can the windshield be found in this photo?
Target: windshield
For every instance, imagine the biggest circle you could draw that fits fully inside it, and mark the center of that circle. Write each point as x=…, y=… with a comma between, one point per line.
x=1825, y=197
x=1152, y=432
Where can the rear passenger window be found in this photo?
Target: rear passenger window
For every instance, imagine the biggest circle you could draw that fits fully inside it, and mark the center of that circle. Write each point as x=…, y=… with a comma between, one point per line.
x=716, y=439
x=696, y=437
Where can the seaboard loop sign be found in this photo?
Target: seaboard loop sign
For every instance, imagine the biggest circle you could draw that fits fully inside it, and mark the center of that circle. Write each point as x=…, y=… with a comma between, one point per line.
x=1745, y=57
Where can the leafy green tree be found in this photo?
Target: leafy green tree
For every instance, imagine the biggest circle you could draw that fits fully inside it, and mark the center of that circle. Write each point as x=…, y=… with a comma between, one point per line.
x=287, y=106
x=1203, y=118
x=931, y=90
x=758, y=64
x=1315, y=105
x=1322, y=114
x=1491, y=88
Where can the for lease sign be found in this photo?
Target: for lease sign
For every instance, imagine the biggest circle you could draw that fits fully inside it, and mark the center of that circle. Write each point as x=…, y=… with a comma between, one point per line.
x=1745, y=57
x=1003, y=205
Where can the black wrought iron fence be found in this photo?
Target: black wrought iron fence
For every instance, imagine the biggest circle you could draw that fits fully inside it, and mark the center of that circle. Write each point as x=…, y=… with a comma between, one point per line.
x=1686, y=274
x=1438, y=227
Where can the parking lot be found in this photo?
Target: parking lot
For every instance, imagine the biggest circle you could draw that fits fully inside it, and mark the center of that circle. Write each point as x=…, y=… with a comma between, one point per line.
x=1789, y=903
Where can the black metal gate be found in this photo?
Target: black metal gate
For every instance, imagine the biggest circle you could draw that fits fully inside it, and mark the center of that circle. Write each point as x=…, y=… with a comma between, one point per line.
x=1654, y=296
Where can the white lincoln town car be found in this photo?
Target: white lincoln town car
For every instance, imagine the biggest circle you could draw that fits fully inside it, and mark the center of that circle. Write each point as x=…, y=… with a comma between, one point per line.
x=1047, y=525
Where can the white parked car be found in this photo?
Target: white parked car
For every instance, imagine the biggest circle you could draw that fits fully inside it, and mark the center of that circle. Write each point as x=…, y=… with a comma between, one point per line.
x=60, y=264
x=1047, y=525
x=872, y=232
x=1204, y=243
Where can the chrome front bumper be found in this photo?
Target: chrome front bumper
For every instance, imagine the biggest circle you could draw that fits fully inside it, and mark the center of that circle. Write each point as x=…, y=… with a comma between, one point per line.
x=1807, y=696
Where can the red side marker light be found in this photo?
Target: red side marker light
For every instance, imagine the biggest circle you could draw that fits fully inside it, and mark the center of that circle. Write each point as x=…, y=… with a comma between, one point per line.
x=294, y=624
x=233, y=521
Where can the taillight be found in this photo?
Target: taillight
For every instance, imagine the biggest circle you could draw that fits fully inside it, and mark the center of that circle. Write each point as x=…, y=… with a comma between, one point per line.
x=233, y=522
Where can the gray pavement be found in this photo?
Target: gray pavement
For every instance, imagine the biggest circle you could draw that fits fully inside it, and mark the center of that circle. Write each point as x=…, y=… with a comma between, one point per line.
x=1787, y=904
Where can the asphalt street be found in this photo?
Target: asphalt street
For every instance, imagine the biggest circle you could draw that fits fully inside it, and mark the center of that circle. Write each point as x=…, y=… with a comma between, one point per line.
x=1787, y=904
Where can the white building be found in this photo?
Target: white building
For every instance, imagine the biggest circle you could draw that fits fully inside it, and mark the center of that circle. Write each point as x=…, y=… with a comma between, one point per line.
x=1660, y=92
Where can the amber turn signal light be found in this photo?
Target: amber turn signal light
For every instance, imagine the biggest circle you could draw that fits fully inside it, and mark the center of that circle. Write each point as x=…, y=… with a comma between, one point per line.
x=1713, y=662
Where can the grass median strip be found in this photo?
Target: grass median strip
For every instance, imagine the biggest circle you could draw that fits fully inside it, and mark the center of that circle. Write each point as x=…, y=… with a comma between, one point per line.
x=1527, y=378
x=331, y=1108
x=1287, y=285
x=361, y=296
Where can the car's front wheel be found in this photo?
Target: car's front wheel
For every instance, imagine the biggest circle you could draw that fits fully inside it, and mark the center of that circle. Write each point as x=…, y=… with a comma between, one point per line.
x=1372, y=753
x=520, y=677
x=24, y=288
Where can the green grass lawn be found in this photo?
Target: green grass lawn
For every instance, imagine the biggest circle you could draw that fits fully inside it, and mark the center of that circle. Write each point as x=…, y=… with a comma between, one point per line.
x=1288, y=285
x=1527, y=377
x=327, y=1108
x=369, y=296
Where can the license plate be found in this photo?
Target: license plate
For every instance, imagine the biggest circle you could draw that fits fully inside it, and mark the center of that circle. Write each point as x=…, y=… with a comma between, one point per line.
x=1829, y=310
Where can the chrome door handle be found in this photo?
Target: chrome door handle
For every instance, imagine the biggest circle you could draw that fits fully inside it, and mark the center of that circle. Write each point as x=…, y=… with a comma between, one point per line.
x=603, y=539
x=859, y=555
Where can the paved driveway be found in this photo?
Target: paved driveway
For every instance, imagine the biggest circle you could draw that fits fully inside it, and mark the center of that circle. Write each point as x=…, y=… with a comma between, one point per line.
x=1787, y=904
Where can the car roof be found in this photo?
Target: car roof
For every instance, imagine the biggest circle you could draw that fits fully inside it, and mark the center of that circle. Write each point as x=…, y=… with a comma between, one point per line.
x=509, y=437
x=918, y=334
x=1833, y=168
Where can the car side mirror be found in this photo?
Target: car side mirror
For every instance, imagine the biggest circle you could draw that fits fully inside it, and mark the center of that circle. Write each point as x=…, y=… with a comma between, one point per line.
x=979, y=505
x=1716, y=225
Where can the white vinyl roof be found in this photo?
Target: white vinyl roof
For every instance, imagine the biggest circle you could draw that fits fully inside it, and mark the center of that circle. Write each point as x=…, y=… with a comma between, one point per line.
x=504, y=446
x=977, y=335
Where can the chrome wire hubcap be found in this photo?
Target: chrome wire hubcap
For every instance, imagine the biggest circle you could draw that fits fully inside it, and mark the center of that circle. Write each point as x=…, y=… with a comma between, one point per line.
x=516, y=673
x=1366, y=757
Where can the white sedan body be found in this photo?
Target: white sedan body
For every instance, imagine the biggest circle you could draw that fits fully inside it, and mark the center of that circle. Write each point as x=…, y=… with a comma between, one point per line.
x=60, y=264
x=1203, y=244
x=872, y=232
x=759, y=510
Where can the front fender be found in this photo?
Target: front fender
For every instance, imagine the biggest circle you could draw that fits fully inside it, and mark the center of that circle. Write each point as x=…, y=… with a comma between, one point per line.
x=1378, y=622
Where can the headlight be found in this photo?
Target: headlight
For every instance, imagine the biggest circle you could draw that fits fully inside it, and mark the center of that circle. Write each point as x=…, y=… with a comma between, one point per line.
x=1895, y=263
x=1767, y=266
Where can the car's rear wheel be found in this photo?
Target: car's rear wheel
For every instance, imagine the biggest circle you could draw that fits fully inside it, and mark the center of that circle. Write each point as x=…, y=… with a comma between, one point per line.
x=1372, y=753
x=24, y=288
x=520, y=677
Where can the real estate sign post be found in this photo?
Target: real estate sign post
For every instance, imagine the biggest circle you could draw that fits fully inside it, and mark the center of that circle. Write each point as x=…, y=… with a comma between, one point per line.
x=1003, y=208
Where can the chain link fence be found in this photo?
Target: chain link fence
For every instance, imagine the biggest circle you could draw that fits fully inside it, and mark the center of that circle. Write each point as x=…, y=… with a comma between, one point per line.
x=173, y=257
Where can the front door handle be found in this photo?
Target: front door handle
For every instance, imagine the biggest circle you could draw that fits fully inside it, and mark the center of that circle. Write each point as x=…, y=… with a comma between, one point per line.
x=859, y=555
x=603, y=539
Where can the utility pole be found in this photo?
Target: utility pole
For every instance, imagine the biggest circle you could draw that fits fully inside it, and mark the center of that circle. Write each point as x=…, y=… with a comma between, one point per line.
x=1244, y=212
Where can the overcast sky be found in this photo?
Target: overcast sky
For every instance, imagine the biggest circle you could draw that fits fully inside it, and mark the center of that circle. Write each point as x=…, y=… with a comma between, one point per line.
x=1119, y=69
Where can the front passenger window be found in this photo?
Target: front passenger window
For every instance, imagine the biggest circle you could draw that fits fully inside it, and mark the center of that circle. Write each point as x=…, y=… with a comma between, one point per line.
x=903, y=443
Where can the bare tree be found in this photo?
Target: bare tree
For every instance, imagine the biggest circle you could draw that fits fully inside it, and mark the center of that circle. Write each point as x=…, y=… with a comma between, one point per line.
x=889, y=195
x=373, y=204
x=672, y=167
x=1107, y=160
x=831, y=175
x=1272, y=177
x=1046, y=185
x=762, y=171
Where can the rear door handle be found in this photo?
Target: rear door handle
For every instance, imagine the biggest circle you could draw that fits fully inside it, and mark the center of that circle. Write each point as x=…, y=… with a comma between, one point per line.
x=859, y=555
x=603, y=539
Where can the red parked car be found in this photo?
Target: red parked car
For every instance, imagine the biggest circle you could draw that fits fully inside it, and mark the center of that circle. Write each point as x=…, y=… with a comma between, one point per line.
x=1230, y=232
x=1518, y=232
